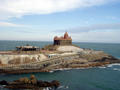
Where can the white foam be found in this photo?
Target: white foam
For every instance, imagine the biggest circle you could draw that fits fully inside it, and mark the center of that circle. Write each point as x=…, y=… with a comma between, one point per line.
x=101, y=67
x=47, y=88
x=64, y=69
x=60, y=87
x=80, y=68
x=116, y=69
x=65, y=87
x=83, y=68
x=61, y=69
x=51, y=71
x=110, y=65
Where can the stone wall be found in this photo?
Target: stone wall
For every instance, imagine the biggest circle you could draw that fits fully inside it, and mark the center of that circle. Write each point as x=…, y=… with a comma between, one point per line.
x=62, y=42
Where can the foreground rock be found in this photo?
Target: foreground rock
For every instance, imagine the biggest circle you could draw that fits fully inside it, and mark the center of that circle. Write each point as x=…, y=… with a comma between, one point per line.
x=30, y=83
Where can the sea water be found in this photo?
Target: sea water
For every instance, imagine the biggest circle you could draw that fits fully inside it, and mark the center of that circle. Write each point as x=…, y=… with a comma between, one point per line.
x=101, y=78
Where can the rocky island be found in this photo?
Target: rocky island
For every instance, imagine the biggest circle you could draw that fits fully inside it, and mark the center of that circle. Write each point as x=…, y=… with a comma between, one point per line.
x=61, y=55
x=30, y=83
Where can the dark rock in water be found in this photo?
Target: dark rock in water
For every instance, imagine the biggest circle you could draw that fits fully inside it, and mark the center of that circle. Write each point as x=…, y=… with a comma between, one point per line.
x=30, y=83
x=3, y=82
x=54, y=83
x=110, y=58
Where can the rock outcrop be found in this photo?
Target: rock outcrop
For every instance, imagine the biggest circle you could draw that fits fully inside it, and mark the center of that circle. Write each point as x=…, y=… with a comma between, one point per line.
x=69, y=48
x=30, y=83
x=21, y=59
x=60, y=58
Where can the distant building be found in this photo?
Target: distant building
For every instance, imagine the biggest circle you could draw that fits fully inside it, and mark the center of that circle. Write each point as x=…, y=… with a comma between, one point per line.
x=63, y=40
x=27, y=48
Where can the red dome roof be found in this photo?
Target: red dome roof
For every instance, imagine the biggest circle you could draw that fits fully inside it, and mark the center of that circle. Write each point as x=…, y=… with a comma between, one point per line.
x=66, y=37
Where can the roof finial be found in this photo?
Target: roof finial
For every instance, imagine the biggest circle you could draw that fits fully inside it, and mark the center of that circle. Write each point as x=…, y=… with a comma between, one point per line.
x=65, y=35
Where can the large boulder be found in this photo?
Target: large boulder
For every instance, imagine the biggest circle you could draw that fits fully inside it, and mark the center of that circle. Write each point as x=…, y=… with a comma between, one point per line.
x=33, y=79
x=3, y=82
x=69, y=49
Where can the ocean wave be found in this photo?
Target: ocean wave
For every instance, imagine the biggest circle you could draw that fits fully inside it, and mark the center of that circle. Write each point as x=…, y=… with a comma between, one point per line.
x=67, y=69
x=64, y=69
x=111, y=65
x=82, y=68
x=101, y=67
x=116, y=69
x=61, y=69
x=63, y=87
x=47, y=88
x=51, y=71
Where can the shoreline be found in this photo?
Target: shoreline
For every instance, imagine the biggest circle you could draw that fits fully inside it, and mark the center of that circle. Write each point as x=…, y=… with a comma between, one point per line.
x=65, y=69
x=104, y=64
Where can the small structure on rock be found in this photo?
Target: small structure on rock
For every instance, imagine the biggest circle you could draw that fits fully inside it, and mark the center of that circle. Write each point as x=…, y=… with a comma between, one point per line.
x=63, y=40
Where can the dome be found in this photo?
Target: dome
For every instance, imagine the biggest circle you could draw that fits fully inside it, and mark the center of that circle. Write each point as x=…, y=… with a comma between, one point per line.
x=55, y=37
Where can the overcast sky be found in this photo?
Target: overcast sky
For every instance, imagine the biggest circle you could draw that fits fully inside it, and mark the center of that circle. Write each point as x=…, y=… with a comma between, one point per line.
x=41, y=20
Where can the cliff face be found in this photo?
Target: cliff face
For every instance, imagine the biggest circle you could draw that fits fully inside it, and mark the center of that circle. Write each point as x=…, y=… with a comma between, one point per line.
x=21, y=59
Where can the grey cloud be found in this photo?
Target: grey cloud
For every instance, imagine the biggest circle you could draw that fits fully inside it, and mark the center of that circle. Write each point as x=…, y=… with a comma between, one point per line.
x=96, y=27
